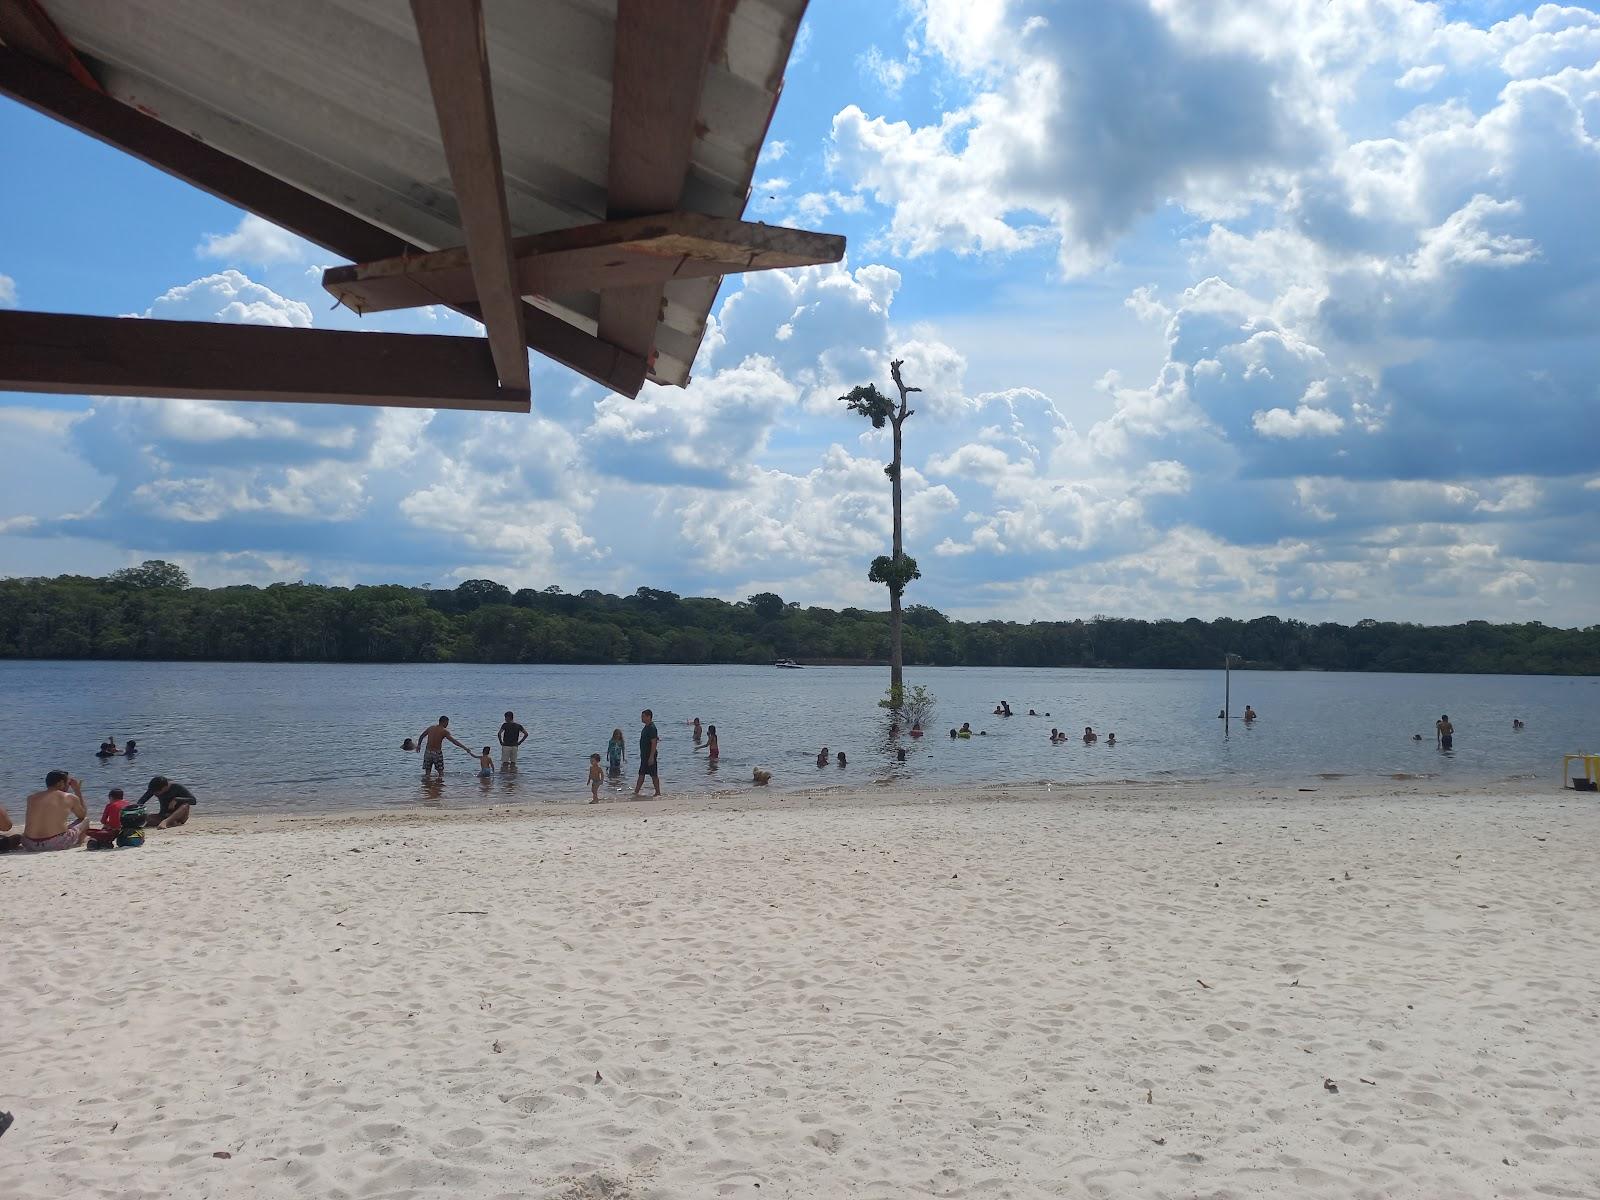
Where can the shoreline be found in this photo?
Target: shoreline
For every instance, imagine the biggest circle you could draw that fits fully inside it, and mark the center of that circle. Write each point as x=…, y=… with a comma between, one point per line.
x=1133, y=794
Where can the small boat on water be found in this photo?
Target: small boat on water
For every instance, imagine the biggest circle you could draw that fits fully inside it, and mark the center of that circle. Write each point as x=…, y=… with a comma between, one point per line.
x=788, y=664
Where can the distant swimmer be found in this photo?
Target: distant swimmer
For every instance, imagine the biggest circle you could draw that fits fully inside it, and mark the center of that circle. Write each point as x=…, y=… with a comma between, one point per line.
x=841, y=758
x=133, y=748
x=713, y=751
x=408, y=746
x=1416, y=737
x=1089, y=736
x=1031, y=713
x=1516, y=723
x=1249, y=713
x=900, y=754
x=108, y=748
x=965, y=730
x=1111, y=739
x=1445, y=732
x=916, y=729
x=822, y=757
x=1055, y=734
x=953, y=734
x=699, y=731
x=1222, y=715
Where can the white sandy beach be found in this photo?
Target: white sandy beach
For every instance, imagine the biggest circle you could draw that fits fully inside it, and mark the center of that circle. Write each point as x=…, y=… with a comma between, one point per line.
x=986, y=995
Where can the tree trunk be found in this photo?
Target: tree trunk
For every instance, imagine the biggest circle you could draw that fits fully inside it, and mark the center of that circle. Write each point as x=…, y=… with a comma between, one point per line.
x=895, y=650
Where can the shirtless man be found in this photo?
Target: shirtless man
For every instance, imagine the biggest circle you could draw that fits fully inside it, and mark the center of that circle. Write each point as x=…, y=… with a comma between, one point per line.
x=8, y=841
x=1445, y=732
x=431, y=742
x=57, y=818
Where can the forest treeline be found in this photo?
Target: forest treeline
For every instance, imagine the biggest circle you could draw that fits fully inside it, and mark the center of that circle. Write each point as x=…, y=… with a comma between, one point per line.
x=151, y=612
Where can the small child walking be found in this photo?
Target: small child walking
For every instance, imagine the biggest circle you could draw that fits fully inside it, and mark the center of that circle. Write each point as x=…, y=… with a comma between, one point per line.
x=595, y=776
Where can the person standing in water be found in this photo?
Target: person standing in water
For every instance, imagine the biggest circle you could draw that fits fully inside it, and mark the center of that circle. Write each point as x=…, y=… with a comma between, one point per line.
x=713, y=751
x=431, y=742
x=510, y=737
x=615, y=749
x=649, y=745
x=699, y=731
x=1445, y=732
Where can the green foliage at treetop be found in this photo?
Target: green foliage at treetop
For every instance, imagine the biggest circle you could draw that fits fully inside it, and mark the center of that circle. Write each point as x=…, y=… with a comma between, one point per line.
x=151, y=613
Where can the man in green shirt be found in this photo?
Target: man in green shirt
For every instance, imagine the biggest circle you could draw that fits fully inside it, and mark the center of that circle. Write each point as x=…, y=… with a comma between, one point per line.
x=649, y=742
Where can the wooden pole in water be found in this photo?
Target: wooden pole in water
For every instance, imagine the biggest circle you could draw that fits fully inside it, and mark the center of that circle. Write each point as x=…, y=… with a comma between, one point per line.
x=1227, y=689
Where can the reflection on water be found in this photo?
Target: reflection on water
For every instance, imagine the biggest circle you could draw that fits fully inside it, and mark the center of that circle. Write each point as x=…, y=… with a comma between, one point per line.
x=315, y=737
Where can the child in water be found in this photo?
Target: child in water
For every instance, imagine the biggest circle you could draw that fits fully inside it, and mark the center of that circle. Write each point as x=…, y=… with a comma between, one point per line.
x=486, y=763
x=712, y=752
x=614, y=753
x=595, y=776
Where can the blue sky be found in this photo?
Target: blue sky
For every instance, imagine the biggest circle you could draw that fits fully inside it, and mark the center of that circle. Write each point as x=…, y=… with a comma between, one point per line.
x=1283, y=306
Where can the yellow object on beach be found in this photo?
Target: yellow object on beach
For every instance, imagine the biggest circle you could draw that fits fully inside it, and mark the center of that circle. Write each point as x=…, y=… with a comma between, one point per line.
x=1589, y=762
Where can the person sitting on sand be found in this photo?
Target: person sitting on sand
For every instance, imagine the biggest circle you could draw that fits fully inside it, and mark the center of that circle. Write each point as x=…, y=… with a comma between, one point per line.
x=822, y=757
x=176, y=802
x=1111, y=739
x=486, y=763
x=595, y=776
x=121, y=824
x=1249, y=713
x=841, y=758
x=615, y=749
x=56, y=817
x=713, y=751
x=8, y=841
x=1089, y=736
x=431, y=741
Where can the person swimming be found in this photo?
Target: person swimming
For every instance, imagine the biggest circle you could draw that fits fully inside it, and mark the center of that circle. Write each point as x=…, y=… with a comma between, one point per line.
x=916, y=729
x=1111, y=739
x=900, y=754
x=108, y=748
x=966, y=730
x=1089, y=735
x=841, y=758
x=1249, y=713
x=408, y=746
x=822, y=757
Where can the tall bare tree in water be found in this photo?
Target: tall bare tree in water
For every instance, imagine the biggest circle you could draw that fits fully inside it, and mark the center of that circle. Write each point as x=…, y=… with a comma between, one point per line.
x=898, y=569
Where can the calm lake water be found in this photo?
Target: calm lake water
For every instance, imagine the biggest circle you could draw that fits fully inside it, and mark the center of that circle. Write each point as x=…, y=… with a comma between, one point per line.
x=276, y=736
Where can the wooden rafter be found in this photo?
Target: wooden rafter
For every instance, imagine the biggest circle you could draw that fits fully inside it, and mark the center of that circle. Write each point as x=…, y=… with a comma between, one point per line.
x=658, y=73
x=57, y=94
x=121, y=356
x=455, y=50
x=641, y=252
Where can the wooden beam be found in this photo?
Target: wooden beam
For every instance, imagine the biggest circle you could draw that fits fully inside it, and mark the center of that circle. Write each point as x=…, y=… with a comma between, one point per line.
x=657, y=75
x=56, y=94
x=455, y=50
x=129, y=356
x=589, y=258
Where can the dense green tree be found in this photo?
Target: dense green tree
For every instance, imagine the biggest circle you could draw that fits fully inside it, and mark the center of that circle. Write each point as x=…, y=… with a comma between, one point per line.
x=74, y=616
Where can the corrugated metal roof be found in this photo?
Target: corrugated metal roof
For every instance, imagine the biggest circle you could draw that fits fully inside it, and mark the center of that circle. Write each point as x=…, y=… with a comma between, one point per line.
x=332, y=96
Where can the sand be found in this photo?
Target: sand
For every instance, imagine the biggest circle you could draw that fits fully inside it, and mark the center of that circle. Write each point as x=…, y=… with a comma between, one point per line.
x=1149, y=992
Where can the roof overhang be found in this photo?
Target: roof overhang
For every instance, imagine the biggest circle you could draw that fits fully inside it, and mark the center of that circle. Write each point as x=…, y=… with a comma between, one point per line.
x=497, y=156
